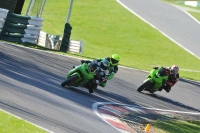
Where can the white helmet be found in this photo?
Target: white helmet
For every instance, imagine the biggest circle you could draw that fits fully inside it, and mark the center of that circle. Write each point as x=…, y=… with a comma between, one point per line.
x=174, y=69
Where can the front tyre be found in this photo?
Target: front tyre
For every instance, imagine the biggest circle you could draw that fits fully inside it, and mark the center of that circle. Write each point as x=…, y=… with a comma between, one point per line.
x=69, y=80
x=146, y=84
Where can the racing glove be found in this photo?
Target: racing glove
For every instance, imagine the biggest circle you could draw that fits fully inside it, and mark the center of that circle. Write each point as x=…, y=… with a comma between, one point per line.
x=111, y=76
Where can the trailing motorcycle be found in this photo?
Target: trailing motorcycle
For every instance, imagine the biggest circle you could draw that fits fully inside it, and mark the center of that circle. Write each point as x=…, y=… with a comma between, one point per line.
x=82, y=76
x=153, y=82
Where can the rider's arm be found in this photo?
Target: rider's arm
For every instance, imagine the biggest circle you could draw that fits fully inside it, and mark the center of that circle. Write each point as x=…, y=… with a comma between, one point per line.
x=163, y=72
x=115, y=69
x=111, y=76
x=99, y=59
x=172, y=79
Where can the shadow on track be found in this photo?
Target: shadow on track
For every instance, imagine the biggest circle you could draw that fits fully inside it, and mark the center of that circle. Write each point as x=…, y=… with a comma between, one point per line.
x=171, y=101
x=32, y=71
x=191, y=82
x=45, y=72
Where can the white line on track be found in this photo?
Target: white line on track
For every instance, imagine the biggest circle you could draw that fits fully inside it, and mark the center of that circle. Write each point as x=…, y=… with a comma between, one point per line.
x=157, y=28
x=95, y=105
x=186, y=13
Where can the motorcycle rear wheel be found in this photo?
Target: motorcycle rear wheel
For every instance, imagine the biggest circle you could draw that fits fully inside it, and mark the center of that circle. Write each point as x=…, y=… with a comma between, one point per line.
x=144, y=85
x=69, y=80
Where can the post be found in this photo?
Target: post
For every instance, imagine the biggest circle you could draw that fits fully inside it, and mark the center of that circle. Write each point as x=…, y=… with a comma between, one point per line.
x=29, y=7
x=42, y=8
x=19, y=6
x=67, y=31
x=69, y=11
x=35, y=8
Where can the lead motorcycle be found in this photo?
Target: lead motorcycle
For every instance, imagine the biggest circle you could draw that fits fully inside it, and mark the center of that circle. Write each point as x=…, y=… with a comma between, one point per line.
x=81, y=76
x=153, y=82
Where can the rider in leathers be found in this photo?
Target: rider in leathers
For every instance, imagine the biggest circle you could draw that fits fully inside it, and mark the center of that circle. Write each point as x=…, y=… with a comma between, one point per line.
x=102, y=73
x=173, y=76
x=112, y=67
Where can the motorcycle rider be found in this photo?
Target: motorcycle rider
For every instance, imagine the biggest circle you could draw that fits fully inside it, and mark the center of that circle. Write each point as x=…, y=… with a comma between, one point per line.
x=103, y=71
x=113, y=67
x=101, y=74
x=173, y=76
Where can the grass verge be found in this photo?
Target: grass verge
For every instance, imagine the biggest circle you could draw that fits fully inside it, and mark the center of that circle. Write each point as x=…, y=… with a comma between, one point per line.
x=175, y=127
x=11, y=124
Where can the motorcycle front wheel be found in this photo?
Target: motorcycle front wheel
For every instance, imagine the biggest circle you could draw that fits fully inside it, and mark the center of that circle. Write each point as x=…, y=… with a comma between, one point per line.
x=69, y=80
x=146, y=85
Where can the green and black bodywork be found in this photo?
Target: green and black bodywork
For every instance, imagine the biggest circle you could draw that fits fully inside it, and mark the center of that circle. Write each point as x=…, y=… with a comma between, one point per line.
x=153, y=81
x=78, y=76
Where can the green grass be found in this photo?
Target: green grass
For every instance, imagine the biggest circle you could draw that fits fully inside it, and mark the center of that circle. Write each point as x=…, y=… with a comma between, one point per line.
x=11, y=124
x=196, y=15
x=176, y=126
x=106, y=28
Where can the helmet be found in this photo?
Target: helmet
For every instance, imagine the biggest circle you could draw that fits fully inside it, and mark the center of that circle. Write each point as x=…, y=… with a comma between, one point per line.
x=104, y=64
x=114, y=59
x=174, y=69
x=92, y=67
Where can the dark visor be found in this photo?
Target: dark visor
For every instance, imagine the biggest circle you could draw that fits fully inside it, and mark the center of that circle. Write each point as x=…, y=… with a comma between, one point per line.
x=114, y=61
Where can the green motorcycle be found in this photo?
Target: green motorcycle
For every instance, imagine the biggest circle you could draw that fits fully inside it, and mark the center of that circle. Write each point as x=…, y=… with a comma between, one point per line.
x=81, y=75
x=153, y=82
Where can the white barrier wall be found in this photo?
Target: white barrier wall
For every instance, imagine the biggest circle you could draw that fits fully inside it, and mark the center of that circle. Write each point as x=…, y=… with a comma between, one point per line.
x=75, y=46
x=54, y=42
x=42, y=38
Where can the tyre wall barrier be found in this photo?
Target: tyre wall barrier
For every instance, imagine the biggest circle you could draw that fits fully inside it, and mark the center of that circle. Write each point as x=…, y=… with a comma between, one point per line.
x=54, y=42
x=66, y=37
x=19, y=28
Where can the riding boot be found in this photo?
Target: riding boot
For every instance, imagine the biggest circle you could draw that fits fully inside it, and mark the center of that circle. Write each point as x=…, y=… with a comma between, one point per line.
x=89, y=87
x=91, y=90
x=160, y=89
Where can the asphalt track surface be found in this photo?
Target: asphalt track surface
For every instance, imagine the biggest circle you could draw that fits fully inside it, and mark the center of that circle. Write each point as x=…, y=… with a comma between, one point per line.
x=170, y=20
x=30, y=88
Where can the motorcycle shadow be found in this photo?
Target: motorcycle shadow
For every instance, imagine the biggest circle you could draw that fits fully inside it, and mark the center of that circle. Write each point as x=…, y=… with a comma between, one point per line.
x=179, y=104
x=149, y=94
x=77, y=89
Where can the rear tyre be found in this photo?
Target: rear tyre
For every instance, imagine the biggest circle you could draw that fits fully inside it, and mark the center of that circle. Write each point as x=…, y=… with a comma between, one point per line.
x=144, y=85
x=69, y=80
